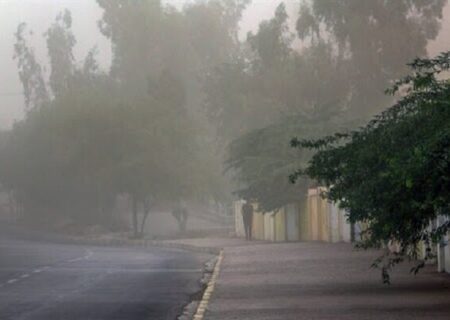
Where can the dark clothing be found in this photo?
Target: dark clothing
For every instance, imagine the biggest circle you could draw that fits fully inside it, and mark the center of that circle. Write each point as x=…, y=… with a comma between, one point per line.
x=247, y=215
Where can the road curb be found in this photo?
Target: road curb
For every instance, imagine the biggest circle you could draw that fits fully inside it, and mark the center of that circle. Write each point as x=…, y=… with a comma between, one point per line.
x=71, y=239
x=203, y=305
x=143, y=243
x=183, y=246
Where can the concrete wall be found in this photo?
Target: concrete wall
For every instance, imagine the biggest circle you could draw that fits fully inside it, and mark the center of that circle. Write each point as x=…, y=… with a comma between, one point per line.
x=292, y=222
x=317, y=219
x=280, y=225
x=238, y=220
x=335, y=225
x=443, y=249
x=313, y=215
x=305, y=221
x=258, y=226
x=344, y=227
x=314, y=219
x=323, y=220
x=269, y=226
x=447, y=253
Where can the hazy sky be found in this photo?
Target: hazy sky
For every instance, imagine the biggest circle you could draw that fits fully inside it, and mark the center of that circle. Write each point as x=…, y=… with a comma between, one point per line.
x=39, y=14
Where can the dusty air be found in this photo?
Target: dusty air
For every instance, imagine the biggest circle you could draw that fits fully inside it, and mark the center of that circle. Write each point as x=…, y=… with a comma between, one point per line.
x=224, y=159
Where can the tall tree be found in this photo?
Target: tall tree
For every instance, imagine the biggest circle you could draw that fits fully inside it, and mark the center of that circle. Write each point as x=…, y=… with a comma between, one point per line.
x=335, y=80
x=150, y=40
x=100, y=135
x=60, y=43
x=273, y=94
x=377, y=37
x=30, y=71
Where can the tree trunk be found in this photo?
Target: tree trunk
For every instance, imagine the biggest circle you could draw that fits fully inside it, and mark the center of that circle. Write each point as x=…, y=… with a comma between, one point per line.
x=146, y=205
x=144, y=218
x=13, y=211
x=183, y=224
x=135, y=217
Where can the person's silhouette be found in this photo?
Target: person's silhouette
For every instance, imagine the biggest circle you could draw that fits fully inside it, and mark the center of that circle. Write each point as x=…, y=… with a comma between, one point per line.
x=247, y=215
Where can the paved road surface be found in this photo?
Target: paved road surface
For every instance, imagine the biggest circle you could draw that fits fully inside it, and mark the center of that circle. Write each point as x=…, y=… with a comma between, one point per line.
x=40, y=280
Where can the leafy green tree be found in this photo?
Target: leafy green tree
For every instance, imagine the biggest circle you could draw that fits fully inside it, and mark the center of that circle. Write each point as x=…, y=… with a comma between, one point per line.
x=393, y=173
x=157, y=47
x=273, y=41
x=279, y=93
x=100, y=135
x=335, y=81
x=51, y=162
x=60, y=43
x=161, y=165
x=212, y=28
x=377, y=37
x=30, y=71
x=244, y=94
x=137, y=130
x=261, y=164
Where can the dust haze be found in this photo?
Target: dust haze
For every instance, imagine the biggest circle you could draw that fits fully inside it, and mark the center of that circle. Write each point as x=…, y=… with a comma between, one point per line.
x=145, y=143
x=117, y=116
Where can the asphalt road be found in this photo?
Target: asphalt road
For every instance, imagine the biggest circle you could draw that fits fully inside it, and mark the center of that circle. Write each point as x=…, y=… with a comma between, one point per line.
x=41, y=280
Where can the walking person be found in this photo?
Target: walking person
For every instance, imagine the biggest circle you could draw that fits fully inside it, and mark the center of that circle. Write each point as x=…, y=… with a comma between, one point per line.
x=247, y=215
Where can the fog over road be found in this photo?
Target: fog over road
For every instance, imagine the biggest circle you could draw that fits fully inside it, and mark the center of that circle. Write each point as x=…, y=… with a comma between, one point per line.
x=40, y=280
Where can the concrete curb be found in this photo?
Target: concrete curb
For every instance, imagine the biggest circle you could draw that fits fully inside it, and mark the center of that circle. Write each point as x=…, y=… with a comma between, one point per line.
x=143, y=243
x=203, y=305
x=70, y=239
x=183, y=246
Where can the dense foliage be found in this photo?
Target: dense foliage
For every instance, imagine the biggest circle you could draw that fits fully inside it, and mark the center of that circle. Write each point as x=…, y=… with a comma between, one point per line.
x=266, y=164
x=378, y=37
x=336, y=80
x=393, y=173
x=138, y=130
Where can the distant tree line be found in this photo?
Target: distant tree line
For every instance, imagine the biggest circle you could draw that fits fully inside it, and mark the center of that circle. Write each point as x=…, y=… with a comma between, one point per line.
x=138, y=129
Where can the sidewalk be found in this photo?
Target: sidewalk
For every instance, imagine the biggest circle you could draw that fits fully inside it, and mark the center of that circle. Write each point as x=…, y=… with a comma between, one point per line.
x=321, y=281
